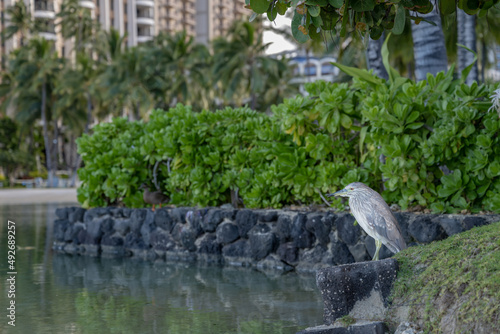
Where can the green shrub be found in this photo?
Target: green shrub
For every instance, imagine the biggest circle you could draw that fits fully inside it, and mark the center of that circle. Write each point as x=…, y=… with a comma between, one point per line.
x=397, y=134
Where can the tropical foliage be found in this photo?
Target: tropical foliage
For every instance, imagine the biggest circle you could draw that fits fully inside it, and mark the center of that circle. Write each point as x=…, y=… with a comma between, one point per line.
x=102, y=78
x=440, y=143
x=312, y=17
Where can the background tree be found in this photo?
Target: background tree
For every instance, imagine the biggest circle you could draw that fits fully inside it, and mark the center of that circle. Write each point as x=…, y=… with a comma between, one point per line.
x=19, y=21
x=35, y=67
x=429, y=45
x=240, y=67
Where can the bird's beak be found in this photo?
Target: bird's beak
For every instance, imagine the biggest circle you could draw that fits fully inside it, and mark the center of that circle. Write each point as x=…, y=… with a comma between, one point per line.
x=338, y=193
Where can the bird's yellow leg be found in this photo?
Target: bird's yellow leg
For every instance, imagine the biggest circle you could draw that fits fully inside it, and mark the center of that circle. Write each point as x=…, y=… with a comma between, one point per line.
x=378, y=244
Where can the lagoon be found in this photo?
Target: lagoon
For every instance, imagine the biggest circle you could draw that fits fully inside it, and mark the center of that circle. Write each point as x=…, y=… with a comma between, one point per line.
x=58, y=293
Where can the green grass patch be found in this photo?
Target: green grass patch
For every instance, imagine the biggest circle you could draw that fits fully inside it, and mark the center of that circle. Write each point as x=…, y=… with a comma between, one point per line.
x=456, y=280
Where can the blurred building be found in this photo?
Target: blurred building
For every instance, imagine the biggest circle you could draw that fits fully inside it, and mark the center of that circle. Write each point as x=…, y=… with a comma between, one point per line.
x=139, y=19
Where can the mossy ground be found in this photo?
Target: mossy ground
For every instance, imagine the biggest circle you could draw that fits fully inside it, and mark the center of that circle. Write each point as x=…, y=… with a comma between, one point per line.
x=454, y=282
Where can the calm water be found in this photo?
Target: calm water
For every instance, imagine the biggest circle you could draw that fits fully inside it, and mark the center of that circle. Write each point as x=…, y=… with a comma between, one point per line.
x=58, y=293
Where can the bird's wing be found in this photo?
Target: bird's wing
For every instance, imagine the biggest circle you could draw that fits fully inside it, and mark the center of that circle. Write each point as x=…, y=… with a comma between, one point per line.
x=386, y=225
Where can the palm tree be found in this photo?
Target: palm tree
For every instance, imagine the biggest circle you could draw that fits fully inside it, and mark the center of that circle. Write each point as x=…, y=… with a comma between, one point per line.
x=240, y=66
x=429, y=45
x=74, y=105
x=19, y=21
x=34, y=69
x=76, y=22
x=109, y=45
x=124, y=82
x=180, y=71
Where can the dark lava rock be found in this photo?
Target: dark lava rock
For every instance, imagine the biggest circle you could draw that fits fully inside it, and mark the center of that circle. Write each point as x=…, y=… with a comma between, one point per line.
x=163, y=220
x=450, y=225
x=239, y=248
x=320, y=227
x=179, y=215
x=62, y=213
x=471, y=221
x=188, y=238
x=347, y=231
x=161, y=240
x=424, y=230
x=284, y=228
x=112, y=239
x=268, y=216
x=92, y=214
x=71, y=234
x=94, y=232
x=300, y=236
x=121, y=226
x=140, y=217
x=76, y=215
x=227, y=232
x=60, y=227
x=343, y=286
x=340, y=253
x=403, y=219
x=214, y=217
x=146, y=230
x=208, y=244
x=262, y=241
x=245, y=219
x=288, y=253
x=133, y=240
x=107, y=225
x=313, y=255
x=195, y=220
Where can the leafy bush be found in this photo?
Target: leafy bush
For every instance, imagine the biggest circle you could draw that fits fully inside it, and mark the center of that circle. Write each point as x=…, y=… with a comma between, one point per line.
x=114, y=167
x=431, y=143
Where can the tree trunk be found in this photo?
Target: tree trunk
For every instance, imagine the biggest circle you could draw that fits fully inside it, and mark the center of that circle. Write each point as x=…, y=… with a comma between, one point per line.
x=374, y=57
x=429, y=46
x=89, y=113
x=46, y=141
x=55, y=147
x=466, y=26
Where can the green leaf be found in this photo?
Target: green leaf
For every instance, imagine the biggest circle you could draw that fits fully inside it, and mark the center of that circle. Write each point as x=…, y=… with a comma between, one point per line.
x=336, y=3
x=399, y=20
x=466, y=71
x=447, y=6
x=281, y=7
x=313, y=11
x=259, y=6
x=359, y=73
x=297, y=34
x=414, y=126
x=345, y=19
x=445, y=192
x=493, y=169
x=317, y=21
x=272, y=13
x=393, y=74
x=346, y=121
x=321, y=3
x=363, y=5
x=412, y=117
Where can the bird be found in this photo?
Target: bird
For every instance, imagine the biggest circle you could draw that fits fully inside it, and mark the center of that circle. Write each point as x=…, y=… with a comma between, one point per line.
x=373, y=214
x=153, y=197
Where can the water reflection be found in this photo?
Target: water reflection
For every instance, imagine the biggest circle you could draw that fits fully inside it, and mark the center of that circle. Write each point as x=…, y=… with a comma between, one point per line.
x=73, y=294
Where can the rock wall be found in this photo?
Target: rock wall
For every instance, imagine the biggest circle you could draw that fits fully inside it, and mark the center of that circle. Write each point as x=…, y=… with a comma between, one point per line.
x=267, y=239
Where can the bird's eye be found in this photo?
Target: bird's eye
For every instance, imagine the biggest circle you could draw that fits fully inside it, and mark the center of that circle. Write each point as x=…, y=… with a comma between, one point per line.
x=352, y=188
